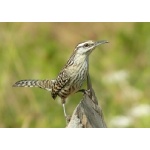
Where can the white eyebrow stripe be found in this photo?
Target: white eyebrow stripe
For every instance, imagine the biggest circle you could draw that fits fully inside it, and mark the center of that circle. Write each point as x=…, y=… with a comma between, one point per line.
x=81, y=44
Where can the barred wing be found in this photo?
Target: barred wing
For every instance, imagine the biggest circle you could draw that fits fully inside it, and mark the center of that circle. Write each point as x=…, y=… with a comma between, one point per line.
x=61, y=81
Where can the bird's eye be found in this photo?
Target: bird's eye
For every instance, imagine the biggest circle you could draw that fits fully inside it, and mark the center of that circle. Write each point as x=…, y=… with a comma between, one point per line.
x=86, y=45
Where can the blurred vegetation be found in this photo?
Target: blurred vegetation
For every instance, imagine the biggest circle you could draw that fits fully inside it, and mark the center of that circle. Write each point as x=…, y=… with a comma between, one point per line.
x=120, y=71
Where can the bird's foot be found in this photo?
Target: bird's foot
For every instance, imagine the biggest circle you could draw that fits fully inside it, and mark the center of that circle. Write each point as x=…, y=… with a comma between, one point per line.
x=82, y=90
x=88, y=91
x=68, y=118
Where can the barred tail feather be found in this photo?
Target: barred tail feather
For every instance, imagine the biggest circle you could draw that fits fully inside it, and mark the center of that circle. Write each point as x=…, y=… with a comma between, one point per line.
x=44, y=84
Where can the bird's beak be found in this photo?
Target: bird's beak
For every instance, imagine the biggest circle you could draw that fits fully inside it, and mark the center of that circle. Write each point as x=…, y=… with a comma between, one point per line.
x=100, y=42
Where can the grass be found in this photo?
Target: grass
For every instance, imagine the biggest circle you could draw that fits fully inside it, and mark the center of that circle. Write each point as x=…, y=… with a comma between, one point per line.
x=119, y=70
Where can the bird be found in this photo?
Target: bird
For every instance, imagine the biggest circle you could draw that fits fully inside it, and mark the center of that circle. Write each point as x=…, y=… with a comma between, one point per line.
x=72, y=76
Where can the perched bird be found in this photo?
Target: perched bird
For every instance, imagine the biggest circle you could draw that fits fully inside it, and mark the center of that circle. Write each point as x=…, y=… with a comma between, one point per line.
x=71, y=77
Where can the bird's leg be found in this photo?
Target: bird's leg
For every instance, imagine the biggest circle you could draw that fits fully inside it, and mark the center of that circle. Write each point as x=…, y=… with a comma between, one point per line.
x=90, y=90
x=63, y=104
x=82, y=90
x=89, y=84
x=64, y=109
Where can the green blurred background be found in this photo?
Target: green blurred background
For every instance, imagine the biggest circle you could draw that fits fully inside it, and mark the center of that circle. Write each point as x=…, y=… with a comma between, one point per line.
x=120, y=71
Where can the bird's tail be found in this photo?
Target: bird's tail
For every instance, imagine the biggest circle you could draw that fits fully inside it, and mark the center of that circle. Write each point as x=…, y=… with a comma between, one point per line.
x=44, y=84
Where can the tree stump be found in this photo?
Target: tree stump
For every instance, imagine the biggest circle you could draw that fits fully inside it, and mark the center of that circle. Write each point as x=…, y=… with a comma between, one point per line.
x=87, y=114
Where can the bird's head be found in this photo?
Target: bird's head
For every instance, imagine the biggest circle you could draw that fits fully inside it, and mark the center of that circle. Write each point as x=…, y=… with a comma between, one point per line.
x=88, y=46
